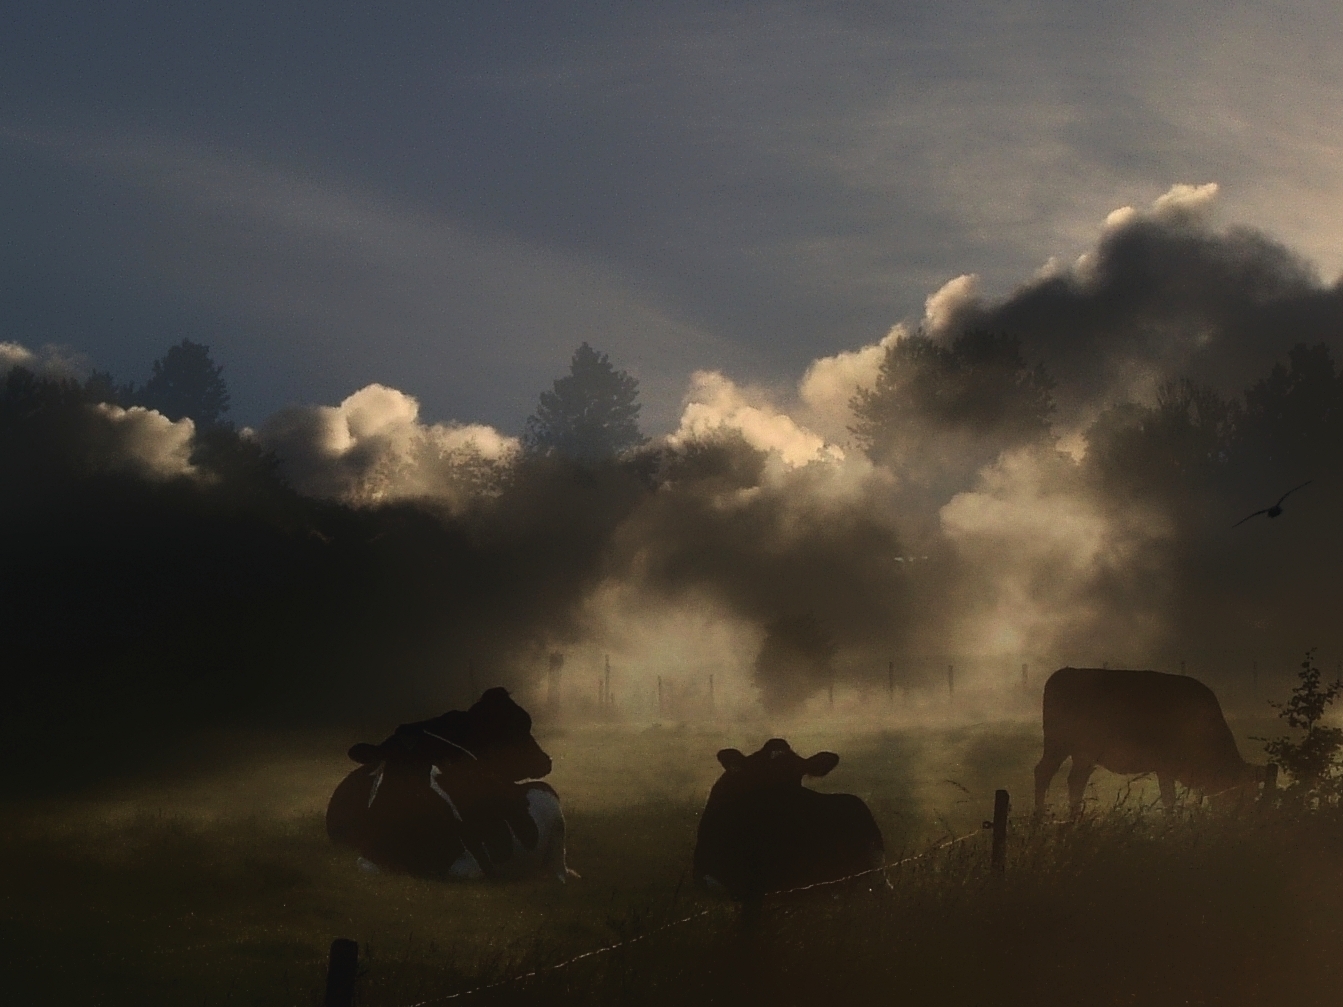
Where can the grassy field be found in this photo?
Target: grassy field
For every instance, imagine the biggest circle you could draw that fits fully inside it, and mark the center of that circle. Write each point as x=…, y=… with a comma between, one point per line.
x=217, y=885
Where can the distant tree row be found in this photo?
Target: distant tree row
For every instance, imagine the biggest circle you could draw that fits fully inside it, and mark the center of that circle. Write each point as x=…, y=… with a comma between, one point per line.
x=590, y=415
x=135, y=610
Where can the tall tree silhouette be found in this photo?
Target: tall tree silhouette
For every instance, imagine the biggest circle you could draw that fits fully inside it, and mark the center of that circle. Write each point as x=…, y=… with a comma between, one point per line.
x=1174, y=451
x=1292, y=427
x=939, y=411
x=186, y=382
x=978, y=386
x=591, y=415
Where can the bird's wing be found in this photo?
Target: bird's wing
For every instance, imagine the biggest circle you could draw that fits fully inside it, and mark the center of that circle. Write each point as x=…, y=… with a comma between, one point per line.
x=1248, y=516
x=1291, y=491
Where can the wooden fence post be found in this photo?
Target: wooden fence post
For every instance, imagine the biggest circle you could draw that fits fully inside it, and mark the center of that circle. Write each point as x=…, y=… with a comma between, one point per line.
x=341, y=973
x=998, y=856
x=1270, y=782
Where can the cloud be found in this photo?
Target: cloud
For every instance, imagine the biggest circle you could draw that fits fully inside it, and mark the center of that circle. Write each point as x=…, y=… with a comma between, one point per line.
x=138, y=440
x=829, y=384
x=1037, y=547
x=146, y=442
x=950, y=302
x=716, y=406
x=50, y=361
x=1163, y=293
x=372, y=448
x=1186, y=202
x=13, y=355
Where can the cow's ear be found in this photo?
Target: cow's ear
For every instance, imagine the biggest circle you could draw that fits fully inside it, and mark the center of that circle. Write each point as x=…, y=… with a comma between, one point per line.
x=820, y=764
x=731, y=759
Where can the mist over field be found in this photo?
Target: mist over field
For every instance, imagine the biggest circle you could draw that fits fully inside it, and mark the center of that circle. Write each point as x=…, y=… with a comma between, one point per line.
x=1048, y=478
x=703, y=375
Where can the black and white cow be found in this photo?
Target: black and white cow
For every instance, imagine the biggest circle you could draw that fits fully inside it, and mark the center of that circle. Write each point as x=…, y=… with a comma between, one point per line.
x=454, y=797
x=762, y=831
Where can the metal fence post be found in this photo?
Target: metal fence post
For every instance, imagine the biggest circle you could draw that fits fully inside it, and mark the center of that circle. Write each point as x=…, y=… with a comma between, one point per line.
x=341, y=972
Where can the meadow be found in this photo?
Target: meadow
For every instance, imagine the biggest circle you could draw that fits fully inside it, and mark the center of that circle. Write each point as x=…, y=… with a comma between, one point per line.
x=215, y=884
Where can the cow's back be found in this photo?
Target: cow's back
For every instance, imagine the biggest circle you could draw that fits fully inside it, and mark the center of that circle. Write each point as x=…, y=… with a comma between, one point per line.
x=769, y=842
x=1139, y=722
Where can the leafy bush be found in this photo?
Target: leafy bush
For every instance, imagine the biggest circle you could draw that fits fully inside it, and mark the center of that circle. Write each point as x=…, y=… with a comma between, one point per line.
x=1315, y=761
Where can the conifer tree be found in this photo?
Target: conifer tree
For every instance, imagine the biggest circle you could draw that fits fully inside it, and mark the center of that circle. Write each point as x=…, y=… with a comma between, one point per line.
x=591, y=415
x=186, y=382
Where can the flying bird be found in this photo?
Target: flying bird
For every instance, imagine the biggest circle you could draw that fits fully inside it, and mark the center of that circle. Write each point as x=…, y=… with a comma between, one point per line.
x=1273, y=511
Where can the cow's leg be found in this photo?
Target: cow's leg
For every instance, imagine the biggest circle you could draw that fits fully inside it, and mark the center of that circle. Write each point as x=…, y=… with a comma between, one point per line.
x=1167, y=785
x=1044, y=772
x=1078, y=775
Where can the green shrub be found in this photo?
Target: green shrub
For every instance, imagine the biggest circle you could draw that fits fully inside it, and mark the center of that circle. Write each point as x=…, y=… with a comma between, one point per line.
x=1314, y=762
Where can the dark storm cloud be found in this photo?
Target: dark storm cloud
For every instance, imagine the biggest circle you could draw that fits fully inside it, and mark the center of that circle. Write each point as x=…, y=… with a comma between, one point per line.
x=1164, y=295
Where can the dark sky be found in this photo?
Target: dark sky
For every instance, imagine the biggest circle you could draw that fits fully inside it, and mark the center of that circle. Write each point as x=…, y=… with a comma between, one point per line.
x=448, y=198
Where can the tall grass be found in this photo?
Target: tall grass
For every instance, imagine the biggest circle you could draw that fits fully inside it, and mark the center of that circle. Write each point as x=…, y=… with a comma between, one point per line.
x=236, y=903
x=1121, y=907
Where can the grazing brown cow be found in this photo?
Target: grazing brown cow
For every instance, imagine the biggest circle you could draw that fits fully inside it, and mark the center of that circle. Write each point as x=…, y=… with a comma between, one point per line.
x=1137, y=722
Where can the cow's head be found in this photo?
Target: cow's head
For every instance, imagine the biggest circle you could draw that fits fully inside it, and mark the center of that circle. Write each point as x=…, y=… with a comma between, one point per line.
x=499, y=733
x=495, y=732
x=776, y=765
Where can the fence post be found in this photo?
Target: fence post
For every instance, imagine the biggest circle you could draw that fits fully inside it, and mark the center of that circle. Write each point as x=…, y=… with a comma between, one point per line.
x=341, y=973
x=1270, y=782
x=998, y=856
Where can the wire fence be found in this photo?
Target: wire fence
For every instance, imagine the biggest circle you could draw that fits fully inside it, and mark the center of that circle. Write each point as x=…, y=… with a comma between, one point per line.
x=999, y=831
x=618, y=945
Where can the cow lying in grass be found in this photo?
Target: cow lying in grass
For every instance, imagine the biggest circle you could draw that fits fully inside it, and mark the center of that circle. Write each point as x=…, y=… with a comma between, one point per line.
x=447, y=798
x=1138, y=722
x=762, y=831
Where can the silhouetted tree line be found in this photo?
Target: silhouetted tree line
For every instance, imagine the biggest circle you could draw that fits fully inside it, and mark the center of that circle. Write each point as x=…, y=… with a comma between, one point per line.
x=135, y=611
x=1200, y=461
